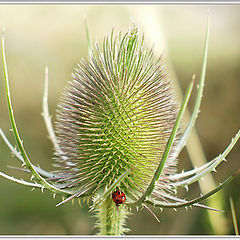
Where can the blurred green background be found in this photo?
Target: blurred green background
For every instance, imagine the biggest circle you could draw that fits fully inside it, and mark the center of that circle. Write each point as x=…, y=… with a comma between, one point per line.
x=54, y=35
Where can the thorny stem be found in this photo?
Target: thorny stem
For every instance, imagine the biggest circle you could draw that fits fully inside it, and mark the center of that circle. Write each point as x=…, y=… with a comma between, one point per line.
x=111, y=219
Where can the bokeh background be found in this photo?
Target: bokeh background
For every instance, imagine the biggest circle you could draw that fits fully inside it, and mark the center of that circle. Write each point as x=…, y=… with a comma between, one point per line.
x=54, y=35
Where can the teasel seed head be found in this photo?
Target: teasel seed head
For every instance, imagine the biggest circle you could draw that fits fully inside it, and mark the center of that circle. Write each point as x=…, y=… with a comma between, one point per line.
x=117, y=113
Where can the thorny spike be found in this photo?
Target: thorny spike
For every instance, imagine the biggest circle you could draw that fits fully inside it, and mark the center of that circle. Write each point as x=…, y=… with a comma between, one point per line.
x=196, y=200
x=19, y=181
x=78, y=194
x=151, y=212
x=191, y=172
x=213, y=165
x=46, y=115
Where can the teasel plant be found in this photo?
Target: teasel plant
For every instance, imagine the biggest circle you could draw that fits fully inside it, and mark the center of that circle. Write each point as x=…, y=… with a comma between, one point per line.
x=118, y=133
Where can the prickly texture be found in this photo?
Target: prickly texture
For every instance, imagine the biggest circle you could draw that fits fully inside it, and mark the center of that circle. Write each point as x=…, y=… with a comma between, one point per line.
x=117, y=113
x=110, y=219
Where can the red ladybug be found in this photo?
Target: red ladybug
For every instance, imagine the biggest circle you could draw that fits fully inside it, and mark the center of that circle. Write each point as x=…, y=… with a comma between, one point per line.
x=118, y=197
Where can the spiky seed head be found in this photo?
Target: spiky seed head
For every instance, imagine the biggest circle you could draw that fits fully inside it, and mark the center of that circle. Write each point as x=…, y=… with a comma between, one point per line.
x=117, y=113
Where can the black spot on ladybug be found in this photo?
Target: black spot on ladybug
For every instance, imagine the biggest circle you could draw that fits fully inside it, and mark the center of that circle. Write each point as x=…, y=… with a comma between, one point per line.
x=119, y=197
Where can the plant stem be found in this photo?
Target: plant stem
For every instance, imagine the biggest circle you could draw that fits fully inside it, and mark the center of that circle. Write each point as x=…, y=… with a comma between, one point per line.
x=111, y=219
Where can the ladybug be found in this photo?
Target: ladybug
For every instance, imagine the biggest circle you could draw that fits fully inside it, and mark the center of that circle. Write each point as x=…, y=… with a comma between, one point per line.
x=118, y=197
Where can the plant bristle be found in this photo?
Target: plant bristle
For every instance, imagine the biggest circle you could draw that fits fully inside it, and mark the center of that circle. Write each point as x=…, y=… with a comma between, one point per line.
x=116, y=113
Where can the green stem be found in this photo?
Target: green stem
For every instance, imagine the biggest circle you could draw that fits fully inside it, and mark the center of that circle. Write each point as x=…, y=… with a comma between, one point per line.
x=111, y=219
